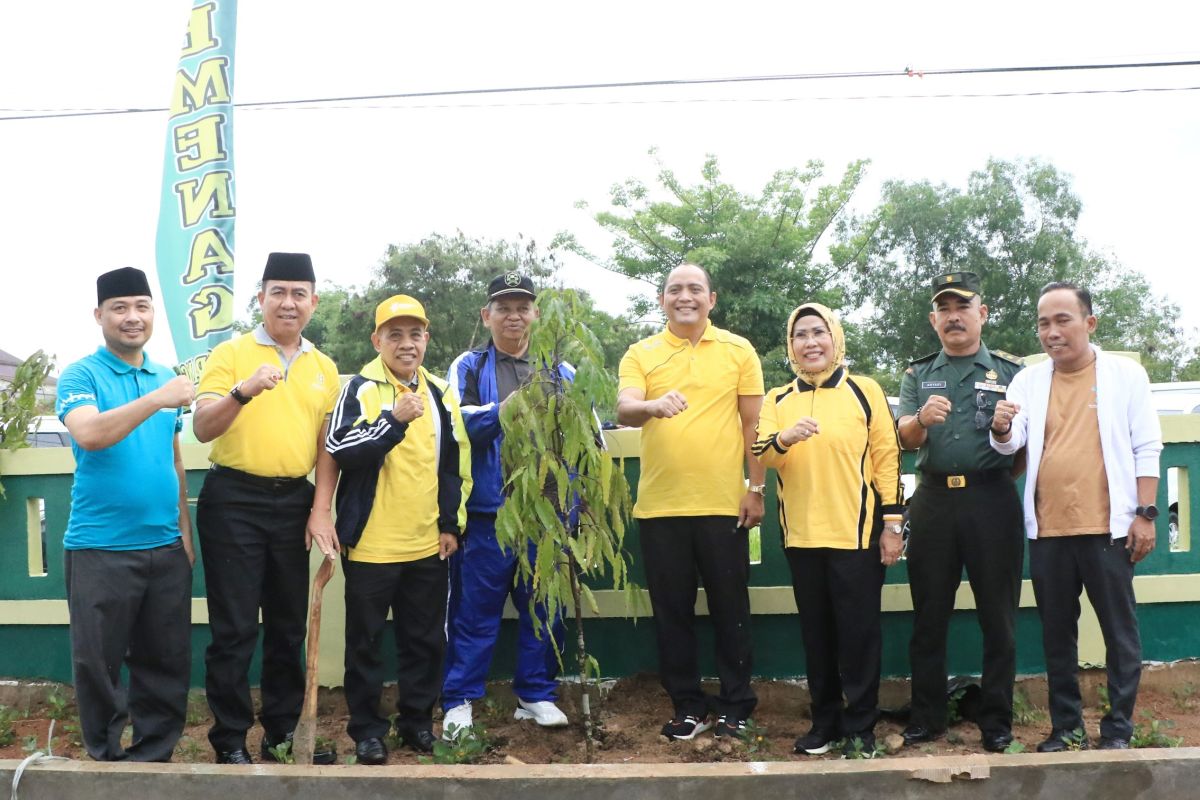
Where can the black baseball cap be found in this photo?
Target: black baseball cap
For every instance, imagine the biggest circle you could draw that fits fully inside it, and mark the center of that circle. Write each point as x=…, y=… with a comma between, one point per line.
x=510, y=283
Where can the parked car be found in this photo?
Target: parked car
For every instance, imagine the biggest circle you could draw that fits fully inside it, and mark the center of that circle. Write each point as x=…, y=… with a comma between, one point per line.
x=1180, y=397
x=47, y=432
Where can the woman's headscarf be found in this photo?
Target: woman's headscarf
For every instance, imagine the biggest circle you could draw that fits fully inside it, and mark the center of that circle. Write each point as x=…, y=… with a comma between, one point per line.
x=839, y=343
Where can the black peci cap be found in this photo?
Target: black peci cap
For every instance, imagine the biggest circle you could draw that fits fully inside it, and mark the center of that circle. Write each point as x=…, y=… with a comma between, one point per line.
x=289, y=267
x=123, y=282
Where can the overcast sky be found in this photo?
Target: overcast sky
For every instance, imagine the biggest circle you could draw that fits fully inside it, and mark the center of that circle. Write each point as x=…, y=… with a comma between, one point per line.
x=80, y=195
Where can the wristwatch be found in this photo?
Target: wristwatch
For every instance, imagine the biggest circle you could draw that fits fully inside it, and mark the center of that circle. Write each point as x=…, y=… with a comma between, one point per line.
x=759, y=489
x=237, y=395
x=1149, y=512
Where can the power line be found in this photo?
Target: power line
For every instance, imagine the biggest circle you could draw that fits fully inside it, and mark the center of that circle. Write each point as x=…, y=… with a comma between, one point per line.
x=691, y=100
x=907, y=72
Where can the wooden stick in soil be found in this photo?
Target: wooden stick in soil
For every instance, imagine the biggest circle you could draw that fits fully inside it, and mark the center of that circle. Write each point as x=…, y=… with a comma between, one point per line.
x=304, y=742
x=585, y=696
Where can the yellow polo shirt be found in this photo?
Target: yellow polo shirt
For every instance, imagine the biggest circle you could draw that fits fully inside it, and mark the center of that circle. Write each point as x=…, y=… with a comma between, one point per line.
x=275, y=434
x=692, y=464
x=404, y=516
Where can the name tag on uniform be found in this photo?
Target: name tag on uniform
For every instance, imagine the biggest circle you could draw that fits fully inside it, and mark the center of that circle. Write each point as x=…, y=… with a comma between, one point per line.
x=933, y=384
x=991, y=387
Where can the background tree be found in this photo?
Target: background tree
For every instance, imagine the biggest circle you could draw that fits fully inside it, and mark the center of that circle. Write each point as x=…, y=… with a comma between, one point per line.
x=449, y=275
x=761, y=250
x=1015, y=226
x=566, y=497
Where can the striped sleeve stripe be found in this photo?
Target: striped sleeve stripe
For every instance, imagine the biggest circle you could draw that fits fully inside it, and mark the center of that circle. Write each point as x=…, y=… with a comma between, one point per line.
x=353, y=437
x=453, y=376
x=760, y=446
x=357, y=436
x=335, y=419
x=472, y=410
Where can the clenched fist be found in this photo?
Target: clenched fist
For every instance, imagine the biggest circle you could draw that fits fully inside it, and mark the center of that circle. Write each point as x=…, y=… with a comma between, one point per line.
x=408, y=406
x=263, y=380
x=667, y=406
x=804, y=429
x=176, y=393
x=934, y=412
x=1003, y=417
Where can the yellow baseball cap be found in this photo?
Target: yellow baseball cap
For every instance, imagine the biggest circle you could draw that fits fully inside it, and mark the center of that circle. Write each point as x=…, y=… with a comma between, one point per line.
x=399, y=305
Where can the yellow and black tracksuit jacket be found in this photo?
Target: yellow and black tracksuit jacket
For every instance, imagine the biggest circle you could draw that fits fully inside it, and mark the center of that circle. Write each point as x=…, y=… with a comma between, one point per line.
x=362, y=431
x=835, y=487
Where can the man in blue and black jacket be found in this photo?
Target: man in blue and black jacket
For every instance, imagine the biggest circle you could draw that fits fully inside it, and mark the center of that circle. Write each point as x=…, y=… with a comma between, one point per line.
x=400, y=441
x=482, y=574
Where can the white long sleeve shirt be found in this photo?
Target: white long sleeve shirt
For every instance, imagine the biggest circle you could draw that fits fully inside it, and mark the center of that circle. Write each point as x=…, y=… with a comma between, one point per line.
x=1130, y=436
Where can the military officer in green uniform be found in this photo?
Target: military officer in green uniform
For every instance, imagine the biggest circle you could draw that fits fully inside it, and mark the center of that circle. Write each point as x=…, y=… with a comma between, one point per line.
x=965, y=512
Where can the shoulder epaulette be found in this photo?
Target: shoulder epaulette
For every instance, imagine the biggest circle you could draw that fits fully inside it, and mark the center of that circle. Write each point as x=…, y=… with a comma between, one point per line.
x=929, y=357
x=1009, y=357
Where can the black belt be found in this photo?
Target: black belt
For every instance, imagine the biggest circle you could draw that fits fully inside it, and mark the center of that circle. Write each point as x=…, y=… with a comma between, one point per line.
x=961, y=480
x=258, y=480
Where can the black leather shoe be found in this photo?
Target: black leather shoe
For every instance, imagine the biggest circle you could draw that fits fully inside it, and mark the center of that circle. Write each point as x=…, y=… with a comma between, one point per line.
x=371, y=751
x=420, y=740
x=1112, y=743
x=322, y=754
x=239, y=756
x=996, y=742
x=1061, y=740
x=916, y=734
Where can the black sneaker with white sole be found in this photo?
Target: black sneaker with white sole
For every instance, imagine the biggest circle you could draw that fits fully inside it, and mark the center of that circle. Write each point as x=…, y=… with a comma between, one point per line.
x=815, y=742
x=686, y=727
x=730, y=726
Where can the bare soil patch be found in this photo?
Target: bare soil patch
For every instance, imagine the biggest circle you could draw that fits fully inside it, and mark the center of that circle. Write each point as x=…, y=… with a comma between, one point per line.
x=632, y=710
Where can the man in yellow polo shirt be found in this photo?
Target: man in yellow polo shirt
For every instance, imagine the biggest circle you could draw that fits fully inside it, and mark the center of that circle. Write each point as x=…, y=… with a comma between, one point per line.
x=696, y=390
x=399, y=438
x=263, y=400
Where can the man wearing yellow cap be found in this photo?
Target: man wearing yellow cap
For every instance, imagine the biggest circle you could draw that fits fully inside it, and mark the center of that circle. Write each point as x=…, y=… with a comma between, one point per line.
x=399, y=438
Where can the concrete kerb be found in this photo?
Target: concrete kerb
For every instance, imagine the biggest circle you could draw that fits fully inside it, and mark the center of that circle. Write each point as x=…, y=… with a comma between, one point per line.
x=1119, y=775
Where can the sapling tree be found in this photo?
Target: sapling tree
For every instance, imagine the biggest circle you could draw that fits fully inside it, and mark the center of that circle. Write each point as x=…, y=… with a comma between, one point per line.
x=567, y=500
x=19, y=401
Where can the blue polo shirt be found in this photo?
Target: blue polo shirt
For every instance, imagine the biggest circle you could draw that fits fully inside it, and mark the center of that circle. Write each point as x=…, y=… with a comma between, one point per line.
x=125, y=497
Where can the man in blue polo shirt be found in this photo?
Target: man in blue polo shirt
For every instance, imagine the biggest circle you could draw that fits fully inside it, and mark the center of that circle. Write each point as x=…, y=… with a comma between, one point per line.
x=128, y=541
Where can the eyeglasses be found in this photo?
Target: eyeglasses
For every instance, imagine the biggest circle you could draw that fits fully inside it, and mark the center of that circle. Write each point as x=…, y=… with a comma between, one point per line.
x=816, y=334
x=982, y=418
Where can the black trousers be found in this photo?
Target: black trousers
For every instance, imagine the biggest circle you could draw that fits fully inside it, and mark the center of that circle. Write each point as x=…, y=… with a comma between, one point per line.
x=674, y=550
x=416, y=594
x=252, y=541
x=981, y=528
x=838, y=594
x=132, y=607
x=1061, y=567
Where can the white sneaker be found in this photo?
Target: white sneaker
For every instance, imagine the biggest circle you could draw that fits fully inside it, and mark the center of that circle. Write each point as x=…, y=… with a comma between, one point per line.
x=456, y=721
x=543, y=712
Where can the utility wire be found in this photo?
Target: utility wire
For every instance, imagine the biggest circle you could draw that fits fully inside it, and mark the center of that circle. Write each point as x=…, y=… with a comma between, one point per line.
x=688, y=100
x=908, y=72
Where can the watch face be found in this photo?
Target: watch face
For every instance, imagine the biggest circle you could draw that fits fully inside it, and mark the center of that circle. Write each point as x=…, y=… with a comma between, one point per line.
x=1149, y=512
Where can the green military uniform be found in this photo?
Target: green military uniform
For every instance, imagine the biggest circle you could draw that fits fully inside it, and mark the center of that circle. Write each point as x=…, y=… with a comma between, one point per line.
x=972, y=384
x=965, y=513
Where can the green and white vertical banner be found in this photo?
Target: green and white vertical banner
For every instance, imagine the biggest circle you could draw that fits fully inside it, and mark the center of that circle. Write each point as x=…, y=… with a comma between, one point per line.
x=194, y=245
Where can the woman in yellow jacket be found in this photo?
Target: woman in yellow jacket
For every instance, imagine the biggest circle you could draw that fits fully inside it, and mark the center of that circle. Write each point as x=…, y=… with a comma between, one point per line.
x=831, y=439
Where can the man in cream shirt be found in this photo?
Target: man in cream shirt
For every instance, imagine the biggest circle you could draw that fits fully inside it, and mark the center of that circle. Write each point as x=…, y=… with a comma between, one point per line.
x=1093, y=442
